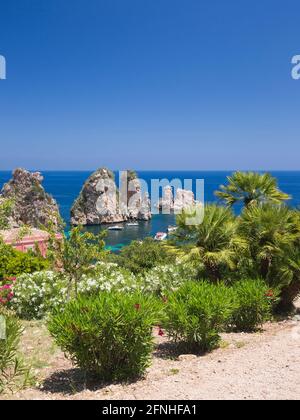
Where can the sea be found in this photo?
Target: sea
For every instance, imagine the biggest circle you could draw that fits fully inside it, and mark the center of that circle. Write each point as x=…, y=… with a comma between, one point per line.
x=65, y=186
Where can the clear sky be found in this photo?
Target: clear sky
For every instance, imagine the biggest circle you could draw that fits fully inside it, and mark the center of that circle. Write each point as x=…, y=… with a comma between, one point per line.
x=149, y=84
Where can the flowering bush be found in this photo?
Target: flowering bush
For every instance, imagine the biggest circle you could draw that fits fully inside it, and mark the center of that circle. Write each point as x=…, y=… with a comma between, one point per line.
x=6, y=293
x=159, y=280
x=34, y=295
x=108, y=335
x=166, y=278
x=107, y=277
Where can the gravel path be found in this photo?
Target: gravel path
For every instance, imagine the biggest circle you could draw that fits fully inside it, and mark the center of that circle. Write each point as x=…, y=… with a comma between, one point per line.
x=248, y=366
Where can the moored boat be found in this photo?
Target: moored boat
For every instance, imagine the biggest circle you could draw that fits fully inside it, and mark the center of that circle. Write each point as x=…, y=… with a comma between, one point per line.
x=160, y=236
x=116, y=227
x=172, y=229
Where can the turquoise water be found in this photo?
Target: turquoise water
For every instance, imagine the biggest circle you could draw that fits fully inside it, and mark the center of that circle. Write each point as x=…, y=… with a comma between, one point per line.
x=65, y=187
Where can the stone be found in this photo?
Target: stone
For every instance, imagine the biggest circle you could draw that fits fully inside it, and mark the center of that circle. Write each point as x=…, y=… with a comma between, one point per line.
x=32, y=206
x=98, y=202
x=187, y=357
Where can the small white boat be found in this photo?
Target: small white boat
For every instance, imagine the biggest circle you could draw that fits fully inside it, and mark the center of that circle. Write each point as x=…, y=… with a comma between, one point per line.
x=172, y=229
x=116, y=227
x=160, y=236
x=133, y=224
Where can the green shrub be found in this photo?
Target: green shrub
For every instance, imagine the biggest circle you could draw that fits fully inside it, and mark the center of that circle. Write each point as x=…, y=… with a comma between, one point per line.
x=254, y=301
x=108, y=335
x=197, y=312
x=14, y=263
x=13, y=373
x=163, y=279
x=140, y=256
x=35, y=295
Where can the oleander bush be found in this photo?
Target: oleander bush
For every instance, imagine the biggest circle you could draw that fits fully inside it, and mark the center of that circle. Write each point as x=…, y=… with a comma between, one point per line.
x=37, y=294
x=158, y=280
x=108, y=335
x=197, y=312
x=163, y=279
x=254, y=303
x=107, y=276
x=13, y=372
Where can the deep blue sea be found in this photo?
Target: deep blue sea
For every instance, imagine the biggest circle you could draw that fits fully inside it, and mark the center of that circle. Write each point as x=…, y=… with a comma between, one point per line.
x=66, y=185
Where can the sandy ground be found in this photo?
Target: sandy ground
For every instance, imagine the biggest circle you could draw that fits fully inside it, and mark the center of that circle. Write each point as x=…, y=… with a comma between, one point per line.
x=263, y=365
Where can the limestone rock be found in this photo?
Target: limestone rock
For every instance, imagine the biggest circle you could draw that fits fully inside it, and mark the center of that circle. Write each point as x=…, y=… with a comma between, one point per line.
x=100, y=201
x=32, y=206
x=183, y=199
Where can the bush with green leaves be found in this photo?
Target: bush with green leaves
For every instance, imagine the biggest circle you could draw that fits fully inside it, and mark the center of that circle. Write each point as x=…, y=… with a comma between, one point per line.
x=107, y=277
x=108, y=335
x=14, y=263
x=141, y=256
x=163, y=279
x=197, y=312
x=158, y=281
x=13, y=372
x=37, y=294
x=254, y=303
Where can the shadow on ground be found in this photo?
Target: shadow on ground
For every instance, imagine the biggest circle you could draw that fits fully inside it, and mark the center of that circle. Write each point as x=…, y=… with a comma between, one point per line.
x=73, y=381
x=170, y=350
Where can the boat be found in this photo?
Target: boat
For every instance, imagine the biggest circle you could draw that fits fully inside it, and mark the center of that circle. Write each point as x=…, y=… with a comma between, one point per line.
x=160, y=236
x=116, y=227
x=172, y=229
x=133, y=224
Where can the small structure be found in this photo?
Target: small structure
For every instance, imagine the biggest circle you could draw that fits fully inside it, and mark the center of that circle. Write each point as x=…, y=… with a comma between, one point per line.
x=28, y=239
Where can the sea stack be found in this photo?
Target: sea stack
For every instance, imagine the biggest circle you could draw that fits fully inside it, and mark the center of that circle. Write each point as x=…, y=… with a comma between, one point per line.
x=32, y=206
x=98, y=202
x=183, y=199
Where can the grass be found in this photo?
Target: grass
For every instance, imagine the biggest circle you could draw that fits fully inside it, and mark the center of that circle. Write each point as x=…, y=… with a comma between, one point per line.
x=37, y=347
x=174, y=371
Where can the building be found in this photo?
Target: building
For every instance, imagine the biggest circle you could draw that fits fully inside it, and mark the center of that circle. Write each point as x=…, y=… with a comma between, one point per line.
x=23, y=240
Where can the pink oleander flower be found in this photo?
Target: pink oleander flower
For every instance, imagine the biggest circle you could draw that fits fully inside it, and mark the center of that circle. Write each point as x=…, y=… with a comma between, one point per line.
x=160, y=332
x=270, y=293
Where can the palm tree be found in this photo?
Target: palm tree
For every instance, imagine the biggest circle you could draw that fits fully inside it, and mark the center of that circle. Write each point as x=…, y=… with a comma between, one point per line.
x=251, y=188
x=214, y=242
x=272, y=232
x=290, y=278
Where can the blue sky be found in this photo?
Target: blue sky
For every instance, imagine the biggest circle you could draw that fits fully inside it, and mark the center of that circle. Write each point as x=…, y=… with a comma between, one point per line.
x=149, y=84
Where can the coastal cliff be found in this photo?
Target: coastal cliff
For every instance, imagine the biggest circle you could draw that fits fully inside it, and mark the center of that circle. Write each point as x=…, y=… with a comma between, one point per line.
x=31, y=205
x=98, y=202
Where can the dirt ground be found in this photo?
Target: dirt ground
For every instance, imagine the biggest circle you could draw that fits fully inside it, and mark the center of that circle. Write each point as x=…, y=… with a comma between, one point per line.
x=264, y=365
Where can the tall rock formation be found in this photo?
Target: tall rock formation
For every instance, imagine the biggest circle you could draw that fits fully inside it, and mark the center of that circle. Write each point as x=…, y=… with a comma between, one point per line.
x=31, y=205
x=183, y=199
x=99, y=201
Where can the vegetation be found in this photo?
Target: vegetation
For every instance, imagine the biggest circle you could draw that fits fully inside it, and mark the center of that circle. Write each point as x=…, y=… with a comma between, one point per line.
x=273, y=235
x=140, y=256
x=13, y=373
x=108, y=335
x=6, y=207
x=251, y=188
x=76, y=254
x=197, y=312
x=14, y=263
x=36, y=295
x=227, y=273
x=254, y=304
x=215, y=242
